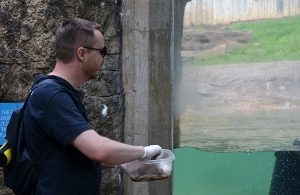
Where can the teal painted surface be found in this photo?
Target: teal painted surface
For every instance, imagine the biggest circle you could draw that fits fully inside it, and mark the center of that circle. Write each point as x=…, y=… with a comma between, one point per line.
x=207, y=173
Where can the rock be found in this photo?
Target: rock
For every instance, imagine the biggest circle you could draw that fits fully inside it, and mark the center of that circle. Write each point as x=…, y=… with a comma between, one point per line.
x=27, y=31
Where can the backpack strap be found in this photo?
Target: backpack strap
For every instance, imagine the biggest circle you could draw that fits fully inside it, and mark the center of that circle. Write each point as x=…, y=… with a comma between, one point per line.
x=76, y=100
x=46, y=81
x=14, y=128
x=21, y=134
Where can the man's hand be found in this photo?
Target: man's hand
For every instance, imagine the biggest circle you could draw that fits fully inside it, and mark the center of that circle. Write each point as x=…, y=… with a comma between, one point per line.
x=151, y=152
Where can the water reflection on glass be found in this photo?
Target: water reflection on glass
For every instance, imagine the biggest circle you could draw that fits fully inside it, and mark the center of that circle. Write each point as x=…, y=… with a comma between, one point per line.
x=239, y=111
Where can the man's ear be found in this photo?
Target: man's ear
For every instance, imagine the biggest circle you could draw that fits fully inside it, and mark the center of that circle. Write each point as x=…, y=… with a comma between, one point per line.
x=81, y=53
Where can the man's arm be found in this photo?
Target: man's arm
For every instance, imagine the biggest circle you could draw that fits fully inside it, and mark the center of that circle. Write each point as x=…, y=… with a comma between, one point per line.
x=102, y=149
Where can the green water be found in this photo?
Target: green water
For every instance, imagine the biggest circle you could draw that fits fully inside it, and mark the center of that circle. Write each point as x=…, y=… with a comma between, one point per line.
x=208, y=173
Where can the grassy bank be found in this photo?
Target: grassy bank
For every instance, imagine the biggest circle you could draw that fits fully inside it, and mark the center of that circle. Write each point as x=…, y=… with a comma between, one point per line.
x=272, y=40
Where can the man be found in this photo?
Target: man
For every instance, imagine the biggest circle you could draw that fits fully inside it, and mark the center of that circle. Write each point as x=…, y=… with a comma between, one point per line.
x=56, y=128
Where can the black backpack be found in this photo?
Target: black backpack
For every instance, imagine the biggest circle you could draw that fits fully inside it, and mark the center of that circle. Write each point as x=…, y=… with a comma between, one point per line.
x=21, y=172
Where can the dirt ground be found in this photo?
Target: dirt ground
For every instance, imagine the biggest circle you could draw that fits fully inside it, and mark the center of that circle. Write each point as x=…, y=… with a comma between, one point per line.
x=212, y=39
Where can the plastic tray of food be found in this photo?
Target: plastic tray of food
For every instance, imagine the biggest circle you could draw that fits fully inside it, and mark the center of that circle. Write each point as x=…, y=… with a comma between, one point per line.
x=149, y=170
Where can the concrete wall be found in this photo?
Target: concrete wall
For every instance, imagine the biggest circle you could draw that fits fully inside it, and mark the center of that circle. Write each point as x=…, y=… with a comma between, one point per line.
x=147, y=76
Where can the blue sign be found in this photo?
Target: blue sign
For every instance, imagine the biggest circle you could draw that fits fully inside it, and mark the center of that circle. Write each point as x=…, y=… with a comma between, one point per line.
x=6, y=110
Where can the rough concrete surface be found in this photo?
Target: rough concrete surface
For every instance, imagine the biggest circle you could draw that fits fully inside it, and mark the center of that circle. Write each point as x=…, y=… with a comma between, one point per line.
x=27, y=30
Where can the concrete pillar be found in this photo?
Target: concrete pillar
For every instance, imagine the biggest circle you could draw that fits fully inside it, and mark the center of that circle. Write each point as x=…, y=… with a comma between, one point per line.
x=147, y=76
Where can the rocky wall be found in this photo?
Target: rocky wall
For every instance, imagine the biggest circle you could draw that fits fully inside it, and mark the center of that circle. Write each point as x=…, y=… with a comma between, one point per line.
x=27, y=29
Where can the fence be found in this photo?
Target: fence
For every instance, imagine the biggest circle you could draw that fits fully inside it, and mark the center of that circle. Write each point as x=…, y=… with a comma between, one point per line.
x=213, y=12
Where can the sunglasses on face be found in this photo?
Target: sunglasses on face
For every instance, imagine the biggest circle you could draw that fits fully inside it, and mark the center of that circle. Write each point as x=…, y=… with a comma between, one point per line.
x=102, y=51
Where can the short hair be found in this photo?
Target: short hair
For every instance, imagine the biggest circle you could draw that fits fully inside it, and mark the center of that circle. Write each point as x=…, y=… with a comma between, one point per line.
x=72, y=34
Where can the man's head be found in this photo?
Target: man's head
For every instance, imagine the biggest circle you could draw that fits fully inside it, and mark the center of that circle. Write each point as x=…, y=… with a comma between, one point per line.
x=72, y=34
x=81, y=41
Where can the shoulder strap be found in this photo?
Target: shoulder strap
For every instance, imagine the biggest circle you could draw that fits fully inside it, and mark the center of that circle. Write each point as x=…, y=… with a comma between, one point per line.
x=74, y=98
x=46, y=81
x=68, y=89
x=14, y=128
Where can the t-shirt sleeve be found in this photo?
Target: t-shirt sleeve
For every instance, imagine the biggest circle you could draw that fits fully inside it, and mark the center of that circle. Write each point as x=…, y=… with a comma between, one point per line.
x=62, y=120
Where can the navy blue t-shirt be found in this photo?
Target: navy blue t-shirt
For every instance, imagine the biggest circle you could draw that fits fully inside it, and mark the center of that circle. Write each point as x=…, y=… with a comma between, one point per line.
x=55, y=116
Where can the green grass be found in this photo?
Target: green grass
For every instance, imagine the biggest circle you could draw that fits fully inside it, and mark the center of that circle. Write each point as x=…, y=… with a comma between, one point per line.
x=272, y=40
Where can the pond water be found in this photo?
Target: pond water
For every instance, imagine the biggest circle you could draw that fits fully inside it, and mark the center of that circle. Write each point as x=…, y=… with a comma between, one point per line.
x=237, y=116
x=211, y=173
